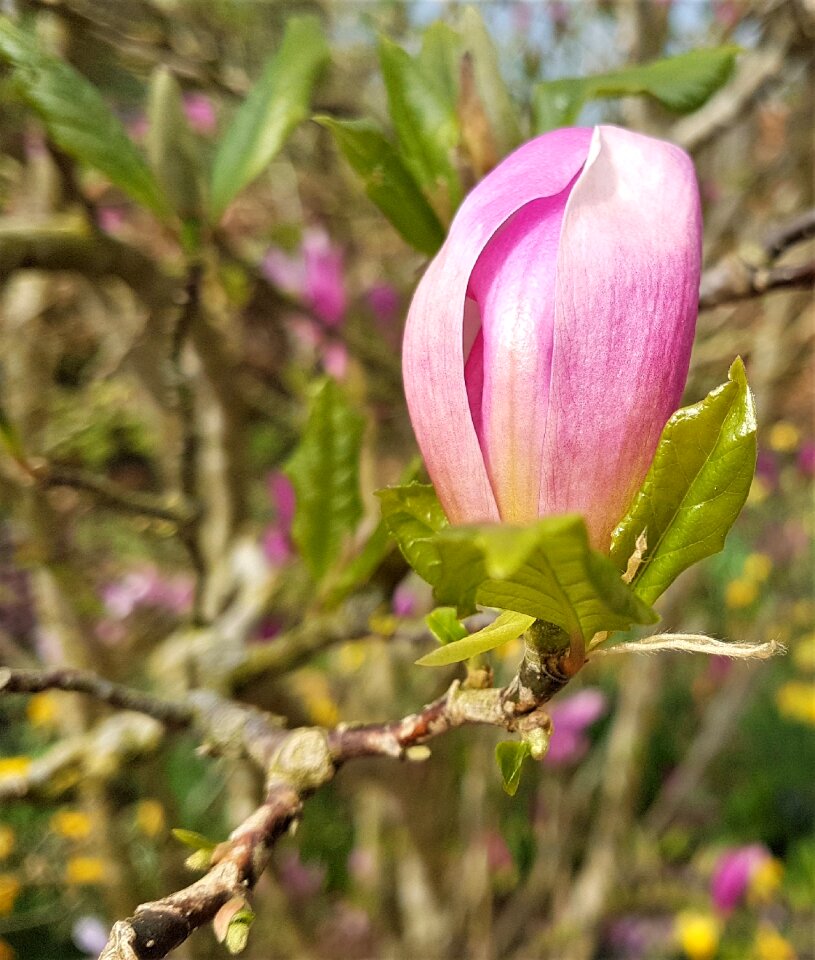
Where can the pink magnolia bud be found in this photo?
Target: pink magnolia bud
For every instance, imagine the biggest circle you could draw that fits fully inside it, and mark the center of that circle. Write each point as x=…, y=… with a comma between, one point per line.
x=548, y=342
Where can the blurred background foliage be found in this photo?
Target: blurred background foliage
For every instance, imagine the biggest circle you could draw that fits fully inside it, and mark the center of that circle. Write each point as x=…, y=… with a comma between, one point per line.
x=185, y=257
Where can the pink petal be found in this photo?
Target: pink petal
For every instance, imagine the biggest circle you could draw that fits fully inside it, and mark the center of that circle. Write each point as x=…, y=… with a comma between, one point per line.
x=434, y=350
x=626, y=303
x=514, y=284
x=324, y=279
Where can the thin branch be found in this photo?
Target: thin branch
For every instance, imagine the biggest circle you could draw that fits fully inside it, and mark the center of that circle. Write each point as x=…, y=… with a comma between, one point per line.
x=111, y=494
x=734, y=278
x=169, y=713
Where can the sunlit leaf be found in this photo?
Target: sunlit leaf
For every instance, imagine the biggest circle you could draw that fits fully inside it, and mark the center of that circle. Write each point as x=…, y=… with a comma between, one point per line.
x=388, y=182
x=277, y=103
x=412, y=514
x=510, y=755
x=506, y=627
x=77, y=118
x=695, y=488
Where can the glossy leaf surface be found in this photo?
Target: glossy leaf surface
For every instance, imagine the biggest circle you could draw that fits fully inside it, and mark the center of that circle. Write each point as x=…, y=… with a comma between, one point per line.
x=507, y=626
x=413, y=514
x=696, y=486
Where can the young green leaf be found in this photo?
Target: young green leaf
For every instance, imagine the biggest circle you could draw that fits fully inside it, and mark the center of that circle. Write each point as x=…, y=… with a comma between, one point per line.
x=197, y=841
x=490, y=84
x=426, y=127
x=440, y=58
x=412, y=514
x=695, y=488
x=547, y=571
x=170, y=147
x=445, y=625
x=510, y=755
x=324, y=472
x=681, y=84
x=508, y=626
x=275, y=106
x=77, y=119
x=557, y=103
x=388, y=182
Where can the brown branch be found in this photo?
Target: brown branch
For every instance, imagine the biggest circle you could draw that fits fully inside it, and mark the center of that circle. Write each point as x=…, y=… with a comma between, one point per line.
x=169, y=713
x=753, y=271
x=295, y=763
x=113, y=495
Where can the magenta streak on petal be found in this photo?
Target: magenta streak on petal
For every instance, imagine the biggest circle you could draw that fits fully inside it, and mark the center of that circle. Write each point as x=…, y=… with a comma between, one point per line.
x=433, y=353
x=514, y=284
x=626, y=303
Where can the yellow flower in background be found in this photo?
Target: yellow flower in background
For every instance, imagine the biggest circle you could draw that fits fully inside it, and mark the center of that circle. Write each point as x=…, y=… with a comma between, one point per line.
x=740, y=593
x=757, y=567
x=698, y=934
x=315, y=691
x=765, y=880
x=796, y=701
x=7, y=841
x=71, y=824
x=352, y=655
x=784, y=437
x=150, y=818
x=803, y=652
x=6, y=951
x=9, y=890
x=84, y=871
x=42, y=711
x=770, y=945
x=14, y=766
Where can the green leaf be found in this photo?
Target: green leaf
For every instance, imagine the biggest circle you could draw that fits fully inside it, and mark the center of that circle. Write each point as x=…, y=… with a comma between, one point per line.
x=426, y=127
x=278, y=102
x=237, y=933
x=508, y=626
x=490, y=84
x=388, y=182
x=547, y=571
x=170, y=147
x=695, y=488
x=510, y=755
x=324, y=472
x=440, y=58
x=197, y=841
x=412, y=515
x=681, y=84
x=77, y=119
x=557, y=103
x=445, y=625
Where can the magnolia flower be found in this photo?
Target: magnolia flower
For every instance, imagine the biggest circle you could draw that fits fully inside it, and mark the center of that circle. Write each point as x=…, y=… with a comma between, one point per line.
x=735, y=870
x=571, y=718
x=548, y=342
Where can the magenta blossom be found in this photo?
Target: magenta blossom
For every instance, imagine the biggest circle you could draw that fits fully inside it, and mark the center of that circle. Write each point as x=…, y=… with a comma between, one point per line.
x=315, y=276
x=733, y=873
x=549, y=340
x=200, y=113
x=571, y=717
x=277, y=542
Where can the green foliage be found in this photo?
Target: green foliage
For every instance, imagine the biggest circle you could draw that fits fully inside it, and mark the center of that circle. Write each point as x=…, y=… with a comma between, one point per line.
x=681, y=84
x=547, y=571
x=77, y=118
x=695, y=488
x=510, y=755
x=445, y=625
x=507, y=626
x=170, y=145
x=412, y=515
x=324, y=471
x=426, y=126
x=388, y=182
x=276, y=105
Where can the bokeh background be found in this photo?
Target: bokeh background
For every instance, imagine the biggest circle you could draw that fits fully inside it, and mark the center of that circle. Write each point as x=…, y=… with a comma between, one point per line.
x=675, y=814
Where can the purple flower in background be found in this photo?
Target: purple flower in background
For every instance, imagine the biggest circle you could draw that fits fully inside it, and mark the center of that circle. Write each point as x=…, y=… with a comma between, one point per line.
x=110, y=219
x=315, y=275
x=404, y=600
x=571, y=717
x=384, y=301
x=734, y=870
x=300, y=880
x=767, y=468
x=277, y=543
x=90, y=935
x=806, y=458
x=147, y=587
x=200, y=113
